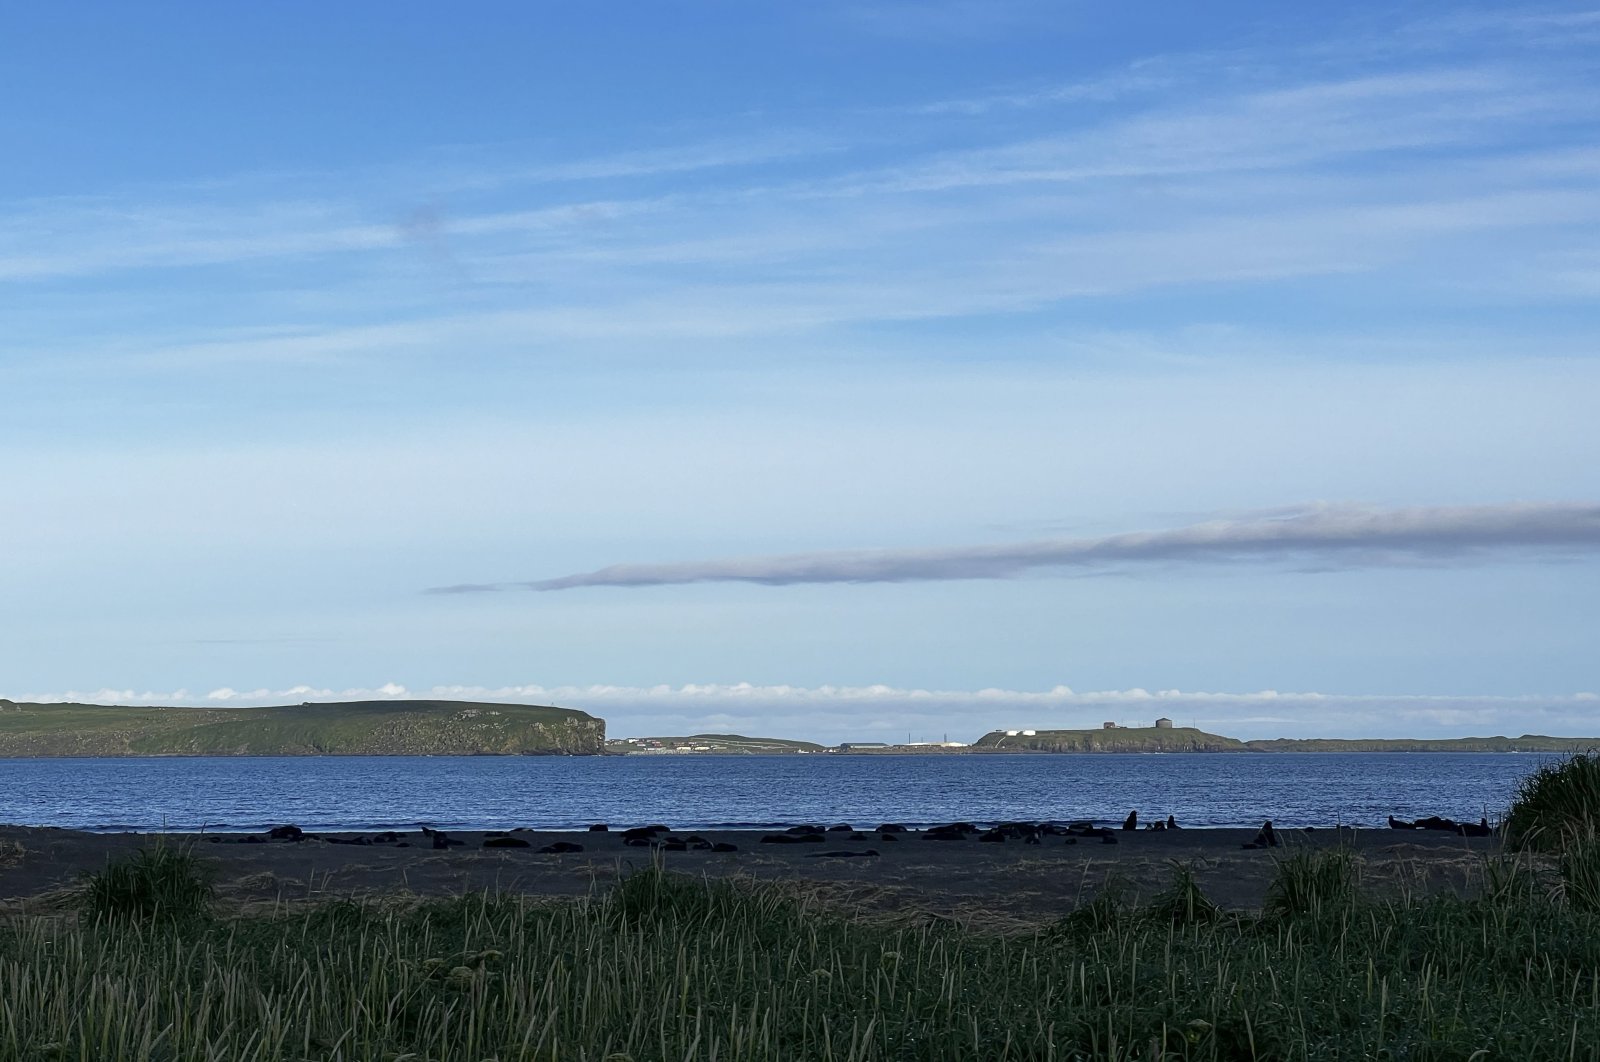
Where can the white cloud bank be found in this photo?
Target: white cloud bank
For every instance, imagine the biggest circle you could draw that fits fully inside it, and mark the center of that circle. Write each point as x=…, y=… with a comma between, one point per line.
x=881, y=712
x=1321, y=537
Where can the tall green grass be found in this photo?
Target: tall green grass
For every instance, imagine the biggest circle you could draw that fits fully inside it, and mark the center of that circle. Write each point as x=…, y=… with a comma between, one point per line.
x=1556, y=805
x=664, y=967
x=1580, y=874
x=162, y=883
x=1313, y=884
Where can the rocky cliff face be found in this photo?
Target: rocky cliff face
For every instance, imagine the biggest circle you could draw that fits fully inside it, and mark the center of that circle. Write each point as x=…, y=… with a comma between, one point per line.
x=356, y=728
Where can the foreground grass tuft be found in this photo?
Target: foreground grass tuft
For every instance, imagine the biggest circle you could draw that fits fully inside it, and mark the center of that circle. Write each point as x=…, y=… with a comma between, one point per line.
x=163, y=883
x=1556, y=805
x=1580, y=874
x=1182, y=902
x=1313, y=884
x=668, y=967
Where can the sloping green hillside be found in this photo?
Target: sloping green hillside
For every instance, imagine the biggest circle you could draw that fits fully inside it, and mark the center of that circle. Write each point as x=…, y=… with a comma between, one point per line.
x=1120, y=739
x=348, y=728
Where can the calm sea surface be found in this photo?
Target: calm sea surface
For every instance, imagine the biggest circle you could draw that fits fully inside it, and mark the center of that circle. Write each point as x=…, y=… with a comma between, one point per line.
x=703, y=792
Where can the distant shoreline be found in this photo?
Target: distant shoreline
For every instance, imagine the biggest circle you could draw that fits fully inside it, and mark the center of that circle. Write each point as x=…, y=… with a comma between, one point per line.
x=826, y=753
x=899, y=751
x=439, y=728
x=1154, y=740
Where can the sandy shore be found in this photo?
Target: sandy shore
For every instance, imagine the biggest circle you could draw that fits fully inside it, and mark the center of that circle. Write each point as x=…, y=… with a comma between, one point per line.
x=1000, y=884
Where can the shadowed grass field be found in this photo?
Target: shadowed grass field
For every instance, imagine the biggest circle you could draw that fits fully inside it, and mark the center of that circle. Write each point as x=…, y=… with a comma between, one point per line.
x=671, y=967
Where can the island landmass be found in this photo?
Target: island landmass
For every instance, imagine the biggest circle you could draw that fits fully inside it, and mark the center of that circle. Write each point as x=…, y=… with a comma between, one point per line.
x=342, y=728
x=1110, y=739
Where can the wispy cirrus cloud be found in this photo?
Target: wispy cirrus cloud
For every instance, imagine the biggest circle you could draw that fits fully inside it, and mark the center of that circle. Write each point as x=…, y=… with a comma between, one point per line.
x=844, y=240
x=307, y=215
x=1276, y=128
x=1322, y=537
x=1142, y=77
x=845, y=245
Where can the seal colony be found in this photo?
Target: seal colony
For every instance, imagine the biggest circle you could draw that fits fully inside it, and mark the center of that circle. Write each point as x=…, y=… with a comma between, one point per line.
x=1005, y=874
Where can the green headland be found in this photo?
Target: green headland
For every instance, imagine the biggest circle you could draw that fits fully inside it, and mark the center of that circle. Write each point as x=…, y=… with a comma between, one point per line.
x=1189, y=739
x=347, y=728
x=1110, y=739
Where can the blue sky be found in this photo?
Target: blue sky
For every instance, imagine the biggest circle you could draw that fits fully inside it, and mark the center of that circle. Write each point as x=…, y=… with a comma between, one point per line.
x=900, y=368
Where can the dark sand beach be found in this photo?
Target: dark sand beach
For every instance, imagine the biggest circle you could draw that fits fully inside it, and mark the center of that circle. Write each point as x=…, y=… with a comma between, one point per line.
x=1002, y=885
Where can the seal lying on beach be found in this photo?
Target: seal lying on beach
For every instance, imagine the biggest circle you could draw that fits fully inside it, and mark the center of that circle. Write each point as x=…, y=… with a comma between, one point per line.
x=954, y=831
x=1480, y=828
x=643, y=834
x=505, y=841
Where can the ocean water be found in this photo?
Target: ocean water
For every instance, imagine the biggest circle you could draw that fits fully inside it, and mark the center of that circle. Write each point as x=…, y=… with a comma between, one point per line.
x=733, y=792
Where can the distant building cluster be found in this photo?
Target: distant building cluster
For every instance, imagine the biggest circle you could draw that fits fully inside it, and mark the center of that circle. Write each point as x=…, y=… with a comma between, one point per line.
x=657, y=745
x=669, y=745
x=1110, y=724
x=856, y=746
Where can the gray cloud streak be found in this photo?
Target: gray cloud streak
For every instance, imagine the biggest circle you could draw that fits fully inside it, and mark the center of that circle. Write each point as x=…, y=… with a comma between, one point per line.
x=1321, y=538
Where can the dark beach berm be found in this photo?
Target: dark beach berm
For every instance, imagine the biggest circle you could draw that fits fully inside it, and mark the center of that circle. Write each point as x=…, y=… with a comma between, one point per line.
x=1000, y=884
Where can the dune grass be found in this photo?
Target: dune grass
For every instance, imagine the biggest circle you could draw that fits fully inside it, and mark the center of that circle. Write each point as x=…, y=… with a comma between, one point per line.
x=161, y=883
x=1557, y=805
x=667, y=967
x=1311, y=884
